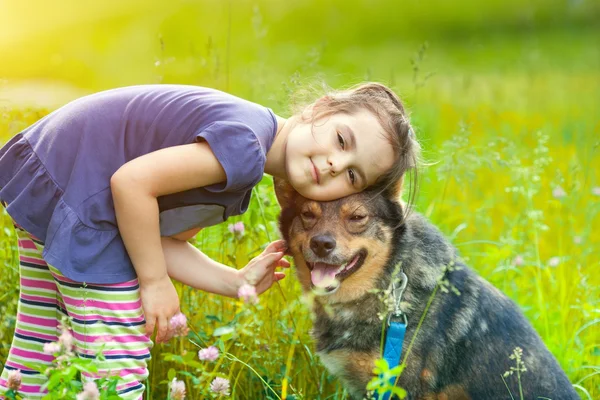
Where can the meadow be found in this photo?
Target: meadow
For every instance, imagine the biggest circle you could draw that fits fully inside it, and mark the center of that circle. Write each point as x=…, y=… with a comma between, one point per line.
x=505, y=99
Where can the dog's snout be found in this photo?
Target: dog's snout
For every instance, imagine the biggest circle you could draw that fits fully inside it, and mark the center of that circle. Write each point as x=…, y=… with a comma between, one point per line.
x=322, y=245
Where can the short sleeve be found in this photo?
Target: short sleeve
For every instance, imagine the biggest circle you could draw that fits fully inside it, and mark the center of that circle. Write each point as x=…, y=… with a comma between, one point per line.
x=238, y=150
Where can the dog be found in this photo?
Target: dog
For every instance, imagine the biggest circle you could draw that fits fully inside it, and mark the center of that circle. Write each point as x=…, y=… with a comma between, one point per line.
x=348, y=253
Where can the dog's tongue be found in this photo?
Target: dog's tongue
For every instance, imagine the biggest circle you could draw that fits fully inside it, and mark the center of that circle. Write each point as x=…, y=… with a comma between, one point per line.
x=323, y=275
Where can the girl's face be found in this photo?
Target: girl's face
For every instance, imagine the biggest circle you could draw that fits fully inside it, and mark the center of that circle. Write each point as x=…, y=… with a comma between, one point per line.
x=337, y=156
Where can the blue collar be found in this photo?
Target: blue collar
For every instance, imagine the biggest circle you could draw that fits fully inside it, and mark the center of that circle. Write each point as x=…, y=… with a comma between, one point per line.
x=394, y=335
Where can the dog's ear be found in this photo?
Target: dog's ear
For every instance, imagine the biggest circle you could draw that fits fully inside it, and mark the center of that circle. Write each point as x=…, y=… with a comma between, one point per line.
x=284, y=192
x=394, y=191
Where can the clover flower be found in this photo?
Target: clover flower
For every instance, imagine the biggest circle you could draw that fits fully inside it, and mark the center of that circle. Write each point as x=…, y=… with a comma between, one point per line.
x=210, y=353
x=237, y=228
x=66, y=340
x=178, y=324
x=52, y=348
x=14, y=380
x=220, y=386
x=558, y=192
x=90, y=392
x=247, y=293
x=518, y=260
x=177, y=389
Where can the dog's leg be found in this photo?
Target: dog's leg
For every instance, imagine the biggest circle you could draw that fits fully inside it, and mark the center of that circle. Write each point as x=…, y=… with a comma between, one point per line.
x=354, y=368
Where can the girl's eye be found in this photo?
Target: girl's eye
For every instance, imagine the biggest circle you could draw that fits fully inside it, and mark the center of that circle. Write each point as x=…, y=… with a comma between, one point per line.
x=352, y=176
x=341, y=141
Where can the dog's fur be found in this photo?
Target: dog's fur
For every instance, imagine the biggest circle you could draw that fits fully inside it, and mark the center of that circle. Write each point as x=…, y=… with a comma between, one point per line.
x=462, y=349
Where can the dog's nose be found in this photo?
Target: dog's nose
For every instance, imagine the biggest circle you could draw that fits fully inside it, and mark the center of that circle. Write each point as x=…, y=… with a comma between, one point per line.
x=322, y=245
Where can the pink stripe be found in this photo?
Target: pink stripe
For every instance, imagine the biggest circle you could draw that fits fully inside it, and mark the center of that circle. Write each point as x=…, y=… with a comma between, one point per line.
x=118, y=339
x=36, y=335
x=49, y=300
x=133, y=371
x=38, y=261
x=37, y=320
x=133, y=305
x=132, y=282
x=38, y=284
x=32, y=355
x=27, y=244
x=30, y=389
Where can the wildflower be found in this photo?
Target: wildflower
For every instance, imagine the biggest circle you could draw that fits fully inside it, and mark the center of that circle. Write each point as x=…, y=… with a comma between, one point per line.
x=211, y=353
x=518, y=260
x=13, y=381
x=178, y=324
x=596, y=191
x=220, y=386
x=237, y=228
x=577, y=239
x=177, y=389
x=66, y=340
x=247, y=293
x=554, y=261
x=516, y=355
x=90, y=392
x=51, y=348
x=559, y=193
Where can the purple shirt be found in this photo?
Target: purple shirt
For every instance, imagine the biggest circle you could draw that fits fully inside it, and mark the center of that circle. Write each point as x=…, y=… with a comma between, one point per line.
x=55, y=175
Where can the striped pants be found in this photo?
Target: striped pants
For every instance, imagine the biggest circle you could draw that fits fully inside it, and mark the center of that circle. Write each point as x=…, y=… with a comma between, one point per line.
x=109, y=315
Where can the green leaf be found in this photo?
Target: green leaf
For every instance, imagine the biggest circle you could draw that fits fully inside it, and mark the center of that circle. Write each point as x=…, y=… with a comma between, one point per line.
x=190, y=355
x=213, y=318
x=171, y=374
x=224, y=330
x=195, y=364
x=398, y=391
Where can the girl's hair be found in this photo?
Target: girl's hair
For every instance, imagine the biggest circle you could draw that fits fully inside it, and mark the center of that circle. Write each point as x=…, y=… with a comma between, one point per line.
x=389, y=110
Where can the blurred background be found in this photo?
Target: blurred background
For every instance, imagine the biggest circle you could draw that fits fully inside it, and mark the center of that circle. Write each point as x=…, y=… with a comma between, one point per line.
x=504, y=96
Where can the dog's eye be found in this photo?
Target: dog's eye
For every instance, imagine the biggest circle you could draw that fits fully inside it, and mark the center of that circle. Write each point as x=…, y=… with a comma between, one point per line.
x=357, y=217
x=308, y=215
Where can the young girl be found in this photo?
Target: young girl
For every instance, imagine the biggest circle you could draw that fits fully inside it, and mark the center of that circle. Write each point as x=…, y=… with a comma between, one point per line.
x=106, y=191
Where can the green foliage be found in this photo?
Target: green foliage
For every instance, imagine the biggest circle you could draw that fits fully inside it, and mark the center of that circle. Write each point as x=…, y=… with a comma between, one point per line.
x=383, y=375
x=66, y=376
x=65, y=379
x=504, y=99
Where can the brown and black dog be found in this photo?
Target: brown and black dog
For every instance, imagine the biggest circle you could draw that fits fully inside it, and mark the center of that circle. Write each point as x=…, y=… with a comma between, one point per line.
x=350, y=250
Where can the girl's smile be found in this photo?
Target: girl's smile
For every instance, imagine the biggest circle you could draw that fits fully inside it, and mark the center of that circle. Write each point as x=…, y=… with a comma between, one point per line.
x=314, y=171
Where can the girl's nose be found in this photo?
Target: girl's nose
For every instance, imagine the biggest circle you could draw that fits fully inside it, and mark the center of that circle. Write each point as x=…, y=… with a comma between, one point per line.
x=337, y=163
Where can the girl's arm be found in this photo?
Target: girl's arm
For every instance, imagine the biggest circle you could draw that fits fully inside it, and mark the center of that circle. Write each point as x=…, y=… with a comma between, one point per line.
x=135, y=188
x=190, y=266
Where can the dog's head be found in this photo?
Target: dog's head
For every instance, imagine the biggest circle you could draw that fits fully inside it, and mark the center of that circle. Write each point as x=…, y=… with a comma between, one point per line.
x=341, y=248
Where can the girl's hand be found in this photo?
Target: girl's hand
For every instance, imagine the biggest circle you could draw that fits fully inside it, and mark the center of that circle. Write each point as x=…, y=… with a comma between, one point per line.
x=260, y=271
x=159, y=302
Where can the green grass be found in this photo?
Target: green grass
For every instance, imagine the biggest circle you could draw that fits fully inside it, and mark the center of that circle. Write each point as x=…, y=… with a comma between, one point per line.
x=505, y=101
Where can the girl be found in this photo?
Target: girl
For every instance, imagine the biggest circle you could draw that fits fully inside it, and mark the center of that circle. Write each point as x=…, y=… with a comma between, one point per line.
x=106, y=190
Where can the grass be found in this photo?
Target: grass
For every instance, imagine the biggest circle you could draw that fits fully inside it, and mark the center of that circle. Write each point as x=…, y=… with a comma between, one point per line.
x=505, y=103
